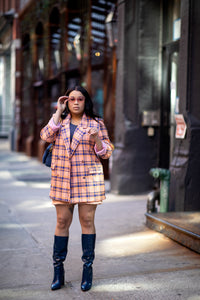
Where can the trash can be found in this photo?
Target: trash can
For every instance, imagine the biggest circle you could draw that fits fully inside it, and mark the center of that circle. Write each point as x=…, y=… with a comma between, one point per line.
x=164, y=176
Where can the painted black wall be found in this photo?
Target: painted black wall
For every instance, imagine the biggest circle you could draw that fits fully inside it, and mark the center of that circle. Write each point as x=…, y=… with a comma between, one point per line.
x=185, y=167
x=192, y=180
x=137, y=90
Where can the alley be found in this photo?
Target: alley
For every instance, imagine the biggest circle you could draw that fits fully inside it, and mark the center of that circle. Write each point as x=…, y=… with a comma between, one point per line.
x=132, y=262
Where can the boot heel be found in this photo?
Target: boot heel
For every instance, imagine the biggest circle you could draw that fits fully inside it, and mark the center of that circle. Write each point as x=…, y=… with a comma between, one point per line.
x=86, y=283
x=59, y=278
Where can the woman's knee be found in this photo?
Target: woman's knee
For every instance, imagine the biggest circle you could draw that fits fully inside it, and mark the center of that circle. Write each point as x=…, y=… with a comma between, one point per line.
x=64, y=217
x=86, y=221
x=63, y=223
x=86, y=217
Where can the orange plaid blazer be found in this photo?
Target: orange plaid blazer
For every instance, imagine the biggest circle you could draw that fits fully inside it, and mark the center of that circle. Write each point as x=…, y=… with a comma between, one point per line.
x=77, y=173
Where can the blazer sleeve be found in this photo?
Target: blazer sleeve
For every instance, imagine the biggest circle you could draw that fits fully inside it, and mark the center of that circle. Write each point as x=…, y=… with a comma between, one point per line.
x=49, y=132
x=108, y=146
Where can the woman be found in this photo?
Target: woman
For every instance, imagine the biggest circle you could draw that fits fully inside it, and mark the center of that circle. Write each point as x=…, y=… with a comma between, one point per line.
x=80, y=139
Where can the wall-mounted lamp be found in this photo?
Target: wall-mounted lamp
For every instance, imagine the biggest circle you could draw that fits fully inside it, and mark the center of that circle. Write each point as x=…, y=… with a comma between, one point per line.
x=111, y=27
x=77, y=45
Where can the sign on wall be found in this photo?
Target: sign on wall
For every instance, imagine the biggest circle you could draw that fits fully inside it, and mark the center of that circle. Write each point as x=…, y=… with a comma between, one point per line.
x=180, y=126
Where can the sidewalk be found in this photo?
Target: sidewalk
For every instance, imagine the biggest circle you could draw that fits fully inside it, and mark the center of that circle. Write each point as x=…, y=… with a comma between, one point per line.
x=132, y=261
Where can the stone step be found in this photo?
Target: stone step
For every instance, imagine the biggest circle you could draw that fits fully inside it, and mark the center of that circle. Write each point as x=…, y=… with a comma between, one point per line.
x=182, y=227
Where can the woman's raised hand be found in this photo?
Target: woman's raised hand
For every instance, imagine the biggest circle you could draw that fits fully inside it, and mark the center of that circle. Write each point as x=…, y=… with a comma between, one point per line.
x=61, y=104
x=93, y=132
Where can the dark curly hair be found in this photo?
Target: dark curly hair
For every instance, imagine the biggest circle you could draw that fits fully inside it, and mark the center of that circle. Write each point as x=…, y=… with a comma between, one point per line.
x=88, y=110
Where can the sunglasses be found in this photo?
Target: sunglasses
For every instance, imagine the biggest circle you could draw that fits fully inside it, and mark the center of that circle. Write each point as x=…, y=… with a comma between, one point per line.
x=79, y=99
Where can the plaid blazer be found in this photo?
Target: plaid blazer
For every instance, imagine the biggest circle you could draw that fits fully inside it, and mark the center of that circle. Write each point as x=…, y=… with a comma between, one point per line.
x=77, y=173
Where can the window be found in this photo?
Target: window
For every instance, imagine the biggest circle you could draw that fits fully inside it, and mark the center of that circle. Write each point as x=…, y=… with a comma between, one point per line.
x=171, y=20
x=40, y=52
x=55, y=42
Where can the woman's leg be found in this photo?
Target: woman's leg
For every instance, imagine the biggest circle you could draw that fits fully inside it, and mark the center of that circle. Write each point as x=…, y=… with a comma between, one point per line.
x=86, y=217
x=64, y=219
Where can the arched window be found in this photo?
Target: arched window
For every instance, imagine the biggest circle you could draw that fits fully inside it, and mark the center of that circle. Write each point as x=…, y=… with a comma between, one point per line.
x=26, y=57
x=55, y=41
x=39, y=52
x=27, y=116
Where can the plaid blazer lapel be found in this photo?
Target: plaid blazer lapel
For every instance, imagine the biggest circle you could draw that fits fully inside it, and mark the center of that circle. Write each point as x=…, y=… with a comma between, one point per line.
x=79, y=132
x=65, y=131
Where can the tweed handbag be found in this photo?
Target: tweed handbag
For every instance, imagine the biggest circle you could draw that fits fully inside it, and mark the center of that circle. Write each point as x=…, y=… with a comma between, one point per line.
x=47, y=156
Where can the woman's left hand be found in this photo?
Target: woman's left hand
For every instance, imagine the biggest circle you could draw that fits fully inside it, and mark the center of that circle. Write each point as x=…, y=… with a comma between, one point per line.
x=93, y=132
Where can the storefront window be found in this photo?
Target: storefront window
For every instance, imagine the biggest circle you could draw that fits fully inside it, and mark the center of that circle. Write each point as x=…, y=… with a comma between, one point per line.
x=97, y=92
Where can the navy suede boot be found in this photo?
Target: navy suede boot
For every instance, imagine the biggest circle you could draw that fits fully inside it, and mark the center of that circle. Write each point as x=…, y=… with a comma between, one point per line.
x=88, y=245
x=59, y=255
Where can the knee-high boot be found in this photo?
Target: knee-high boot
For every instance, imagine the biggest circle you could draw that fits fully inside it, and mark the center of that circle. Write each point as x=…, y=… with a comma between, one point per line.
x=88, y=245
x=59, y=255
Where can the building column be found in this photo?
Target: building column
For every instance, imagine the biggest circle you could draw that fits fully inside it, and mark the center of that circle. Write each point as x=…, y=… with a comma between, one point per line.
x=137, y=90
x=185, y=175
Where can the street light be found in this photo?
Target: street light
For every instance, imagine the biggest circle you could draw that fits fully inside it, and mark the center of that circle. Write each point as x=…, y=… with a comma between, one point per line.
x=111, y=27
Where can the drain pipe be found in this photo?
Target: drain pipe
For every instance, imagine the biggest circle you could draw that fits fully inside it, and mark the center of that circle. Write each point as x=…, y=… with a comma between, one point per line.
x=153, y=196
x=164, y=176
